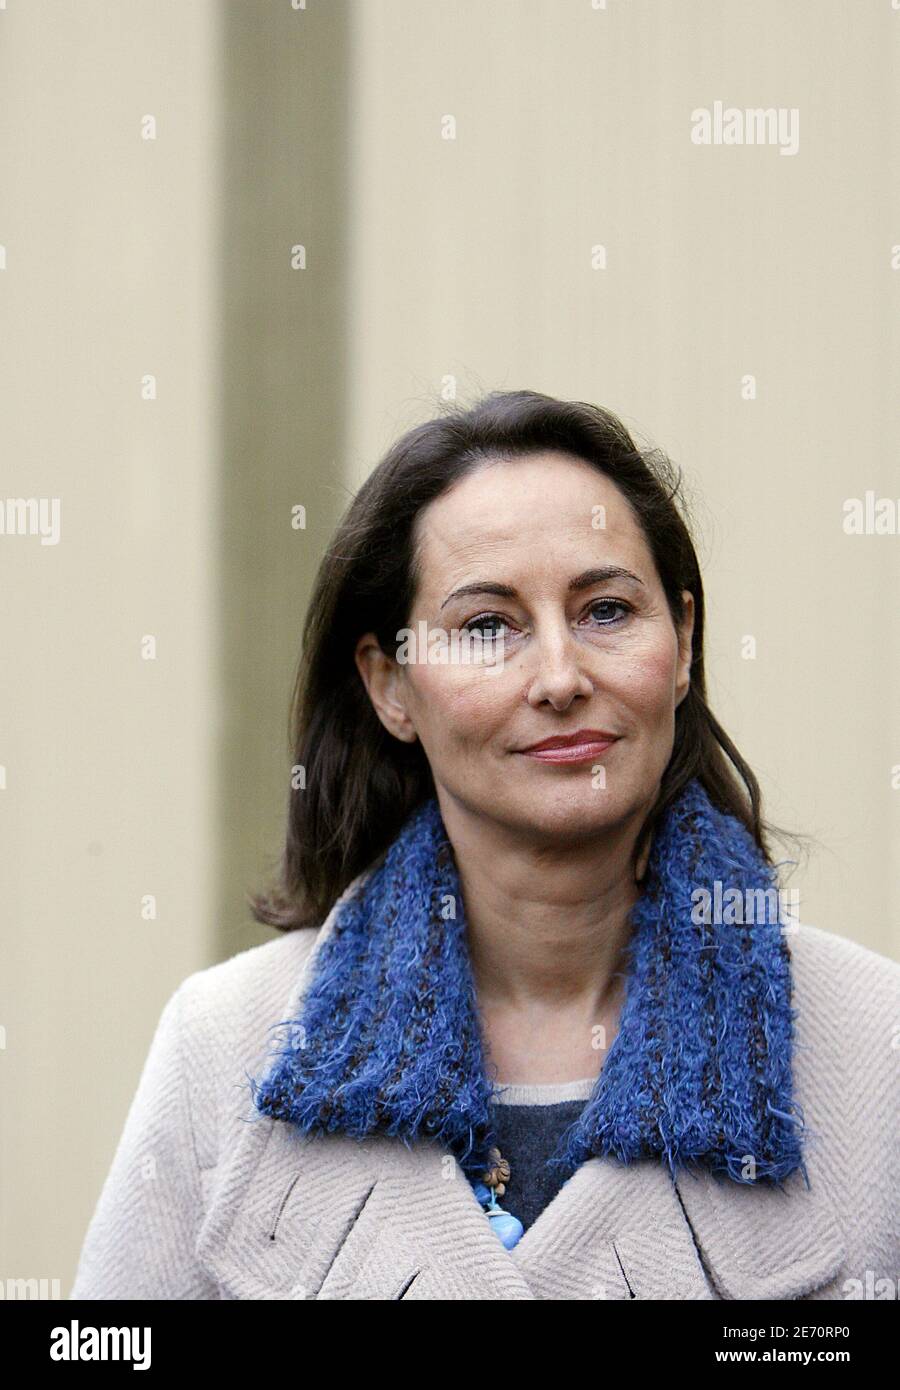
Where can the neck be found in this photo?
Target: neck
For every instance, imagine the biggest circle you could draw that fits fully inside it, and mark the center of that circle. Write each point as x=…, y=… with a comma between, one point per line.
x=548, y=924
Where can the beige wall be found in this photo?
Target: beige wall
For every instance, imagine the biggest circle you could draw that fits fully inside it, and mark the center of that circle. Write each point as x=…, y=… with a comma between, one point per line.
x=429, y=261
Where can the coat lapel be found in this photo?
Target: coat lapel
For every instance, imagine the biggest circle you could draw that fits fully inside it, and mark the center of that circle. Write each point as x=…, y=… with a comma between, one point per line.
x=338, y=1218
x=614, y=1231
x=761, y=1241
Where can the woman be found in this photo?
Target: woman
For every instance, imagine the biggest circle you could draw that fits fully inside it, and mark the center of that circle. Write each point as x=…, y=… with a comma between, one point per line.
x=534, y=1027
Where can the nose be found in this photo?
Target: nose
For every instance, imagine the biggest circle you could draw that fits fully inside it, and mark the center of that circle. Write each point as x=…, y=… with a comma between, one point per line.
x=560, y=676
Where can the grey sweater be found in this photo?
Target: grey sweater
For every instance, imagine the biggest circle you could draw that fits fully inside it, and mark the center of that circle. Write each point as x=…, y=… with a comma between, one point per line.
x=529, y=1122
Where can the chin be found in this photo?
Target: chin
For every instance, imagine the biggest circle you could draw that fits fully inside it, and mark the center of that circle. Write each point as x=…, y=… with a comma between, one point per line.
x=576, y=811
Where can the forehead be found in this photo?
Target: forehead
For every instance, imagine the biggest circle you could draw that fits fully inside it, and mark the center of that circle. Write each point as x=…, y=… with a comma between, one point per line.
x=535, y=513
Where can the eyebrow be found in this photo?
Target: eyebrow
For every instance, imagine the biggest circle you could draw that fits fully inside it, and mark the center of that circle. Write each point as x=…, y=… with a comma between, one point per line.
x=586, y=580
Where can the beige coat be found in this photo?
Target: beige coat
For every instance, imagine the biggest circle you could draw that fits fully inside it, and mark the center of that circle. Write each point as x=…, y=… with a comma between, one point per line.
x=207, y=1199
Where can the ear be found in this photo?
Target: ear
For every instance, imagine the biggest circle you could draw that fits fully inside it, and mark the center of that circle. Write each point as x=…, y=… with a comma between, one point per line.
x=382, y=676
x=685, y=633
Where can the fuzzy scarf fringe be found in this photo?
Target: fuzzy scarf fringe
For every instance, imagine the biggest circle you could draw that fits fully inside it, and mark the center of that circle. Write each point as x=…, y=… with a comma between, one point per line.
x=388, y=1042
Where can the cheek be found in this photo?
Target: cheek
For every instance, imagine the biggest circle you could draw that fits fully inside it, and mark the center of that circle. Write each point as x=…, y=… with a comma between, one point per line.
x=647, y=681
x=453, y=705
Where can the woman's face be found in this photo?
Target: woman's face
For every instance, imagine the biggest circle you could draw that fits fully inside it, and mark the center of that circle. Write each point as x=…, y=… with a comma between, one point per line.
x=544, y=553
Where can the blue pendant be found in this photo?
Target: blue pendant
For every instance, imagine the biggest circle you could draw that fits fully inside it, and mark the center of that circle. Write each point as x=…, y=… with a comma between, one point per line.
x=508, y=1228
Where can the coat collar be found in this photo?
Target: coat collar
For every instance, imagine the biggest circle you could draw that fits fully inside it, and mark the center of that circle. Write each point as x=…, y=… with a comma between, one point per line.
x=294, y=1216
x=388, y=1039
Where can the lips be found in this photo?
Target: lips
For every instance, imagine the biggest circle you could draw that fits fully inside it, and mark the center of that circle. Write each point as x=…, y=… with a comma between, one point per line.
x=571, y=740
x=581, y=746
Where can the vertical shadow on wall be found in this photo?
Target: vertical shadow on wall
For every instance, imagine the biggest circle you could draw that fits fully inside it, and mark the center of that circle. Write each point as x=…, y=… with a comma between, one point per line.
x=282, y=378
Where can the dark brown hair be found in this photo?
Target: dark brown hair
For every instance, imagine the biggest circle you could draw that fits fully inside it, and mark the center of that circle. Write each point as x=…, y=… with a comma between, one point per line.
x=361, y=783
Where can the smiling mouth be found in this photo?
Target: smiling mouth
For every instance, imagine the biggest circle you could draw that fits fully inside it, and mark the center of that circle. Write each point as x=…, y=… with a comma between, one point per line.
x=582, y=746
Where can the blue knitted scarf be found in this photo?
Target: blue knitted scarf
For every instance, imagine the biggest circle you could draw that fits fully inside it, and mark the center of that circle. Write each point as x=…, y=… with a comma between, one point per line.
x=388, y=1041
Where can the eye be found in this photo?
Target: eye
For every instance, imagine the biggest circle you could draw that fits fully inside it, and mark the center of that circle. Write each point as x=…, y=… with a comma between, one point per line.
x=609, y=612
x=488, y=626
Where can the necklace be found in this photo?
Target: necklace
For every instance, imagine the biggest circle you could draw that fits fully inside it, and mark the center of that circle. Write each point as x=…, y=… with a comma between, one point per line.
x=507, y=1227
